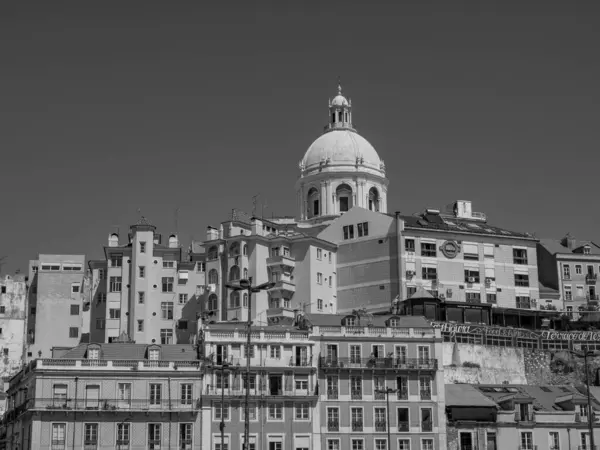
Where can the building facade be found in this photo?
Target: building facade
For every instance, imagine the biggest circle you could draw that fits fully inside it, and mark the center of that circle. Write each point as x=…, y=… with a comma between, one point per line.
x=282, y=381
x=145, y=289
x=107, y=396
x=571, y=267
x=13, y=304
x=57, y=291
x=380, y=377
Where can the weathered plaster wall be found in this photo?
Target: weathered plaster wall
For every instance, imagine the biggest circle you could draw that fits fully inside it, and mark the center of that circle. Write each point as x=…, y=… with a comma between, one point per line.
x=12, y=323
x=479, y=364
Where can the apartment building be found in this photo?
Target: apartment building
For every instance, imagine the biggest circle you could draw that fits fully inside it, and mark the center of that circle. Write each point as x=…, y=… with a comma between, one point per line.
x=302, y=267
x=379, y=376
x=282, y=381
x=107, y=396
x=13, y=304
x=57, y=292
x=571, y=266
x=493, y=417
x=145, y=289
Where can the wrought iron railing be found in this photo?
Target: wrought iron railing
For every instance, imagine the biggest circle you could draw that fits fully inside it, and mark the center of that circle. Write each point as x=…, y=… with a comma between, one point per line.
x=379, y=363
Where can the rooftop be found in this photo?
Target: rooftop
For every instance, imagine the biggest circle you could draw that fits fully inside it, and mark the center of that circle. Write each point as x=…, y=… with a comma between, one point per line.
x=466, y=395
x=125, y=351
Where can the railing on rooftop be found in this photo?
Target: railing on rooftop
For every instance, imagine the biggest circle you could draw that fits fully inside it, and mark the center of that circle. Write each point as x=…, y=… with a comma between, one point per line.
x=257, y=336
x=115, y=364
x=379, y=363
x=262, y=361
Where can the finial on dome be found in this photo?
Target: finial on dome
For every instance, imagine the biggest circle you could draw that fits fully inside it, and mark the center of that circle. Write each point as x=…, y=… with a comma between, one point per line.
x=339, y=86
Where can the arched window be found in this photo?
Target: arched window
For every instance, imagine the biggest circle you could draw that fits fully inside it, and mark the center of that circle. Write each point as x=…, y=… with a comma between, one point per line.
x=373, y=199
x=245, y=273
x=212, y=302
x=234, y=299
x=245, y=300
x=313, y=203
x=213, y=276
x=234, y=249
x=213, y=252
x=343, y=194
x=234, y=273
x=245, y=249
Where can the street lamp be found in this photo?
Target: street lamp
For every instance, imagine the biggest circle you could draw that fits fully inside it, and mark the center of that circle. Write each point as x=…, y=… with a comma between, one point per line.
x=590, y=417
x=246, y=285
x=387, y=392
x=222, y=424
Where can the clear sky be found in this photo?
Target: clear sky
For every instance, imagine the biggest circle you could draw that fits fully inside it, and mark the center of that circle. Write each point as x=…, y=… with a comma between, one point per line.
x=110, y=107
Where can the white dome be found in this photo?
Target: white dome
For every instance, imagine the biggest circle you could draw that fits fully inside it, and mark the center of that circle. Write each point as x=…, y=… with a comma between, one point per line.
x=342, y=147
x=339, y=100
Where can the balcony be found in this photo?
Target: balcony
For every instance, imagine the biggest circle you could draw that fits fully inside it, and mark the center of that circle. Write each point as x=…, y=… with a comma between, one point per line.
x=379, y=395
x=582, y=447
x=427, y=426
x=408, y=364
x=528, y=447
x=356, y=394
x=90, y=445
x=283, y=287
x=357, y=425
x=425, y=394
x=277, y=393
x=281, y=261
x=380, y=426
x=592, y=297
x=402, y=394
x=332, y=394
x=591, y=278
x=403, y=427
x=333, y=425
x=111, y=404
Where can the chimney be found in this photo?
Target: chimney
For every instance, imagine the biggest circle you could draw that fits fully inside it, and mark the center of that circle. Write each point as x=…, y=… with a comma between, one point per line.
x=568, y=241
x=212, y=233
x=256, y=227
x=113, y=240
x=173, y=241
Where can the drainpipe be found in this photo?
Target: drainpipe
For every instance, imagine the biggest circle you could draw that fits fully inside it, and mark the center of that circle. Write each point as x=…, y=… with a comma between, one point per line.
x=399, y=253
x=74, y=412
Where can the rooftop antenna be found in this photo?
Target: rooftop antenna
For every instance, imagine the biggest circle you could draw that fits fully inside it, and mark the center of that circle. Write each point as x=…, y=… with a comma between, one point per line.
x=176, y=221
x=254, y=200
x=263, y=206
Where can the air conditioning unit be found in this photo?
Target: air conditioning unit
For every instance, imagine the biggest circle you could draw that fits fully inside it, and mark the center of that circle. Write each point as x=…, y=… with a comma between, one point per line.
x=488, y=281
x=410, y=273
x=442, y=296
x=183, y=275
x=533, y=301
x=471, y=280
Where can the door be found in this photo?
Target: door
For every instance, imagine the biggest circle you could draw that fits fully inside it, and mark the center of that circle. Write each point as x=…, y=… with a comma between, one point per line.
x=275, y=384
x=221, y=354
x=332, y=354
x=301, y=356
x=466, y=441
x=491, y=441
x=378, y=351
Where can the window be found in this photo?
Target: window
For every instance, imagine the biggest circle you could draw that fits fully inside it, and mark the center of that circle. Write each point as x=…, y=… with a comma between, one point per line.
x=252, y=381
x=521, y=280
x=168, y=264
x=141, y=297
x=251, y=412
x=59, y=393
x=101, y=297
x=490, y=298
x=154, y=439
x=520, y=255
x=568, y=293
x=186, y=393
x=123, y=433
x=488, y=251
x=356, y=417
x=93, y=353
x=302, y=411
x=100, y=324
x=166, y=310
x=200, y=267
x=348, y=231
x=426, y=420
x=380, y=444
x=429, y=273
x=153, y=354
x=428, y=249
x=182, y=324
x=142, y=247
x=578, y=269
x=566, y=271
x=155, y=393
x=490, y=275
x=114, y=313
x=330, y=281
x=362, y=229
x=319, y=254
x=166, y=336
x=427, y=444
x=355, y=354
x=183, y=298
x=356, y=387
x=251, y=352
x=319, y=278
x=167, y=284
x=587, y=250
x=301, y=383
x=212, y=302
x=142, y=271
x=73, y=332
x=471, y=252
x=472, y=276
x=33, y=310
x=275, y=411
x=403, y=420
x=245, y=300
x=58, y=436
x=92, y=396
x=213, y=276
x=90, y=435
x=52, y=267
x=75, y=288
x=409, y=245
x=74, y=310
x=115, y=284
x=116, y=260
x=319, y=304
x=275, y=351
x=333, y=444
x=101, y=274
x=526, y=440
x=140, y=325
x=234, y=301
x=221, y=411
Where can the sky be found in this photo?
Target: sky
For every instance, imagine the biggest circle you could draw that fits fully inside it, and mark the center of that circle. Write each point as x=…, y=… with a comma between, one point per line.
x=182, y=111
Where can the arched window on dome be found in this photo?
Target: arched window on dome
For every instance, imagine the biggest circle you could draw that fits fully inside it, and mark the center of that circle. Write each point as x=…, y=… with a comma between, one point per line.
x=314, y=203
x=373, y=199
x=343, y=195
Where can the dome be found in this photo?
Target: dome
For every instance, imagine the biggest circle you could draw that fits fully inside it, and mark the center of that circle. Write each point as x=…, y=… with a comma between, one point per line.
x=339, y=100
x=342, y=147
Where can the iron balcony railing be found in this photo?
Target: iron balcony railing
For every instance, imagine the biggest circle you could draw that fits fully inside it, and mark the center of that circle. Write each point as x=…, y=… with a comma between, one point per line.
x=234, y=392
x=332, y=394
x=583, y=447
x=356, y=394
x=427, y=426
x=403, y=426
x=357, y=425
x=425, y=394
x=402, y=394
x=380, y=425
x=528, y=447
x=111, y=404
x=379, y=363
x=333, y=425
x=379, y=395
x=591, y=278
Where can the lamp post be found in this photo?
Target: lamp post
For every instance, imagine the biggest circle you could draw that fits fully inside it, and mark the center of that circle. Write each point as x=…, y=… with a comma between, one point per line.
x=246, y=285
x=590, y=414
x=387, y=392
x=222, y=424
